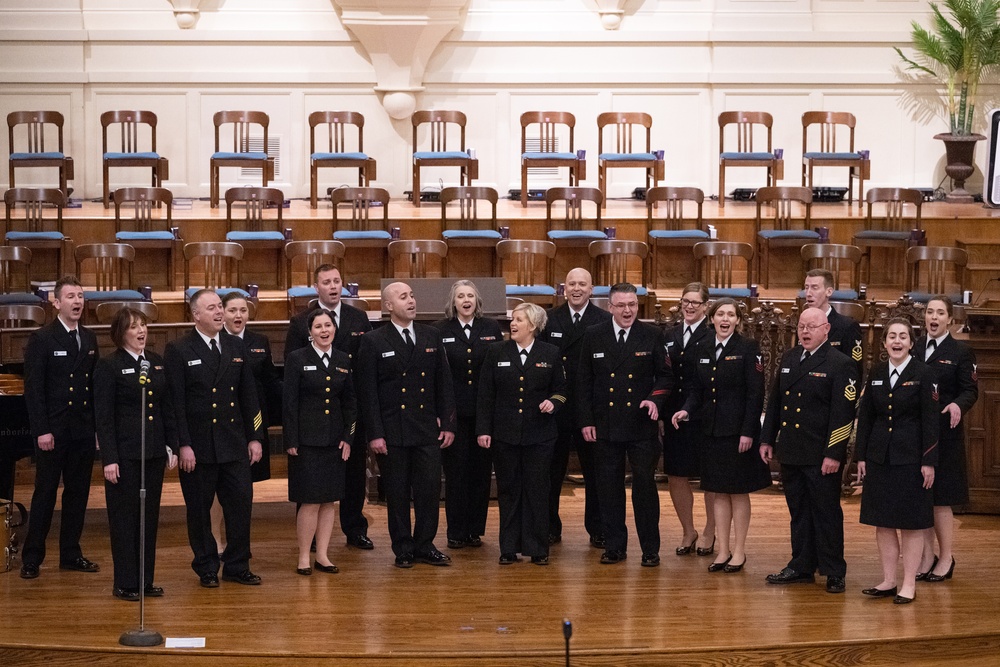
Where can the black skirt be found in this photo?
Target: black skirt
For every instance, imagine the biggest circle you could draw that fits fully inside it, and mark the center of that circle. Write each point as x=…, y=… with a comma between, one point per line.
x=725, y=470
x=951, y=476
x=894, y=497
x=680, y=449
x=316, y=475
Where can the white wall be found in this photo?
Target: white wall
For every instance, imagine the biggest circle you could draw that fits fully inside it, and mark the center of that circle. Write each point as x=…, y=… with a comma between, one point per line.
x=683, y=61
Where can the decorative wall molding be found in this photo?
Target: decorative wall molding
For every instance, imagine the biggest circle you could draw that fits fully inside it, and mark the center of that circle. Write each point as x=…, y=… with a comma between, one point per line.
x=612, y=12
x=186, y=12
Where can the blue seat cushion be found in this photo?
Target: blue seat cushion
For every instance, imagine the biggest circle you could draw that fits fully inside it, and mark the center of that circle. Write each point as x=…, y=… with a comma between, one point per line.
x=531, y=290
x=549, y=156
x=339, y=156
x=357, y=236
x=470, y=234
x=144, y=236
x=255, y=236
x=924, y=297
x=239, y=156
x=310, y=292
x=17, y=298
x=557, y=234
x=603, y=290
x=732, y=292
x=440, y=155
x=613, y=157
x=878, y=235
x=838, y=295
x=126, y=156
x=746, y=156
x=678, y=234
x=831, y=156
x=189, y=292
x=788, y=234
x=113, y=295
x=34, y=236
x=37, y=156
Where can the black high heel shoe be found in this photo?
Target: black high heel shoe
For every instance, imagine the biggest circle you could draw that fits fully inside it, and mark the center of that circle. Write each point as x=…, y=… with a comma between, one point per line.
x=934, y=578
x=719, y=567
x=706, y=551
x=730, y=568
x=923, y=575
x=688, y=548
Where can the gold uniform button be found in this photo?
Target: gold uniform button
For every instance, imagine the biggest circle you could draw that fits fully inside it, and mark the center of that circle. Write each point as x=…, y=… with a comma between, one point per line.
x=784, y=423
x=798, y=409
x=404, y=373
x=890, y=417
x=70, y=376
x=71, y=388
x=328, y=390
x=519, y=411
x=628, y=405
x=796, y=426
x=213, y=390
x=402, y=407
x=327, y=401
x=422, y=374
x=469, y=350
x=214, y=405
x=800, y=394
x=713, y=400
x=629, y=376
x=890, y=396
x=890, y=429
x=150, y=392
x=232, y=405
x=232, y=389
x=326, y=412
x=520, y=400
x=404, y=390
x=564, y=358
x=630, y=390
x=70, y=403
x=470, y=371
x=784, y=407
x=213, y=421
x=788, y=393
x=328, y=378
x=150, y=418
x=612, y=375
x=713, y=390
x=521, y=389
x=85, y=404
x=421, y=407
x=611, y=389
x=150, y=406
x=611, y=404
x=521, y=378
x=470, y=382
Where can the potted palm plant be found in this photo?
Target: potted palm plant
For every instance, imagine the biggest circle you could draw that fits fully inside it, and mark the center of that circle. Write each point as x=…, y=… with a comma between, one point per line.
x=961, y=47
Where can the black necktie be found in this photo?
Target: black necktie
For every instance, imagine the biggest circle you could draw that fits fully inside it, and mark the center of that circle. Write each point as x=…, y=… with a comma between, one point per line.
x=687, y=335
x=805, y=355
x=326, y=360
x=576, y=318
x=931, y=346
x=524, y=356
x=621, y=337
x=468, y=330
x=408, y=340
x=215, y=349
x=140, y=360
x=75, y=336
x=893, y=377
x=718, y=351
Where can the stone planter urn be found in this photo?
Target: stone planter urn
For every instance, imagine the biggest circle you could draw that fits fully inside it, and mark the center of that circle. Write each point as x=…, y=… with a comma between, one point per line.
x=959, y=151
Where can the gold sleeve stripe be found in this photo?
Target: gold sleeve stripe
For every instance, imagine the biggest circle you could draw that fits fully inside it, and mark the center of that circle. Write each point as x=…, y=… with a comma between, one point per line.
x=559, y=397
x=353, y=426
x=257, y=420
x=840, y=434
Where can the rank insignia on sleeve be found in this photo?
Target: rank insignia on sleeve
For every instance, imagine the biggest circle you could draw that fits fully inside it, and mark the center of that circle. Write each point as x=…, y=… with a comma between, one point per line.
x=257, y=421
x=934, y=392
x=760, y=363
x=851, y=391
x=856, y=353
x=975, y=376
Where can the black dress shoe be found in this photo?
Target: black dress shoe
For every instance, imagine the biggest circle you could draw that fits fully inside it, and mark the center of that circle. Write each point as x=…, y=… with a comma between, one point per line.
x=687, y=548
x=598, y=541
x=613, y=557
x=732, y=569
x=127, y=594
x=329, y=569
x=432, y=557
x=360, y=542
x=246, y=577
x=304, y=571
x=934, y=578
x=706, y=551
x=923, y=575
x=456, y=544
x=879, y=592
x=790, y=576
x=153, y=591
x=210, y=580
x=508, y=559
x=650, y=560
x=29, y=571
x=555, y=539
x=474, y=541
x=899, y=599
x=81, y=564
x=835, y=585
x=540, y=560
x=404, y=561
x=719, y=567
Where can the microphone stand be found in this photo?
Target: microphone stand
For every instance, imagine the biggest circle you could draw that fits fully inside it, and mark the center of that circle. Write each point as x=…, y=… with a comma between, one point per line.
x=142, y=636
x=567, y=633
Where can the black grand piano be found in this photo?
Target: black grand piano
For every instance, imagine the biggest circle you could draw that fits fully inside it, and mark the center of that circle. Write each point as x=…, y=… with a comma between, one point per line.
x=15, y=437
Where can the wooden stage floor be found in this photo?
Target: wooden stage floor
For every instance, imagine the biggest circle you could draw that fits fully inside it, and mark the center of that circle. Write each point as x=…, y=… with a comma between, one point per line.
x=478, y=613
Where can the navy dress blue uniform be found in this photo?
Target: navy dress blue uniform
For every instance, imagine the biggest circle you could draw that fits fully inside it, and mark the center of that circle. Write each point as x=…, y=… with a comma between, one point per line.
x=564, y=333
x=809, y=417
x=681, y=446
x=613, y=380
x=217, y=416
x=729, y=401
x=407, y=398
x=58, y=386
x=351, y=326
x=268, y=385
x=320, y=412
x=468, y=468
x=118, y=398
x=511, y=388
x=954, y=366
x=897, y=434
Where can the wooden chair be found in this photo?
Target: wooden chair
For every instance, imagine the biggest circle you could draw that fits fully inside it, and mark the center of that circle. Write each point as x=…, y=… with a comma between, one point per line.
x=824, y=153
x=146, y=231
x=745, y=149
x=312, y=254
x=15, y=277
x=668, y=227
x=34, y=236
x=624, y=154
x=892, y=215
x=15, y=315
x=776, y=207
x=112, y=269
x=132, y=132
x=240, y=153
x=220, y=267
x=337, y=153
x=719, y=263
x=555, y=147
x=576, y=227
x=415, y=253
x=532, y=264
x=933, y=270
x=256, y=230
x=106, y=310
x=36, y=127
x=843, y=261
x=613, y=261
x=468, y=230
x=362, y=229
x=439, y=155
x=360, y=304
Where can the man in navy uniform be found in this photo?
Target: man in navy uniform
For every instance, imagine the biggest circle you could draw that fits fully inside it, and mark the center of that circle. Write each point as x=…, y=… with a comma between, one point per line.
x=807, y=425
x=565, y=328
x=58, y=364
x=624, y=381
x=407, y=403
x=351, y=324
x=219, y=429
x=845, y=333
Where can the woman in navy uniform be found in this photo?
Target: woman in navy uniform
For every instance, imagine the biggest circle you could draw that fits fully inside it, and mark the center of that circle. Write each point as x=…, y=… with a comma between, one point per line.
x=319, y=414
x=466, y=335
x=897, y=449
x=681, y=444
x=120, y=388
x=729, y=401
x=954, y=366
x=521, y=388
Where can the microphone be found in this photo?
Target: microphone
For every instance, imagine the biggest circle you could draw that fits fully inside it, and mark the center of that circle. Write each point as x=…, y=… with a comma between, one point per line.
x=143, y=371
x=567, y=633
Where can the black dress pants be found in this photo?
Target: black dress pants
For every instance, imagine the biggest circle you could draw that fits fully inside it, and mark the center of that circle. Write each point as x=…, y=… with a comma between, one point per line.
x=123, y=520
x=412, y=472
x=231, y=482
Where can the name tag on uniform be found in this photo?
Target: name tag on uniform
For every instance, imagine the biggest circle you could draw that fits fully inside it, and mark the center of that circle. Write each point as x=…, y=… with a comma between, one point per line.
x=447, y=340
x=704, y=361
x=556, y=334
x=194, y=362
x=308, y=368
x=503, y=364
x=876, y=383
x=834, y=343
x=786, y=370
x=59, y=353
x=598, y=355
x=128, y=371
x=390, y=353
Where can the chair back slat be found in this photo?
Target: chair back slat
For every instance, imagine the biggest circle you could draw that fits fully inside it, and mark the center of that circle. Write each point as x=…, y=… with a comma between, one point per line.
x=901, y=209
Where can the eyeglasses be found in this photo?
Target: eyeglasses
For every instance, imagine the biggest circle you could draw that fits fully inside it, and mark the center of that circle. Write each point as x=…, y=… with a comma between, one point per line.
x=688, y=302
x=810, y=327
x=622, y=306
